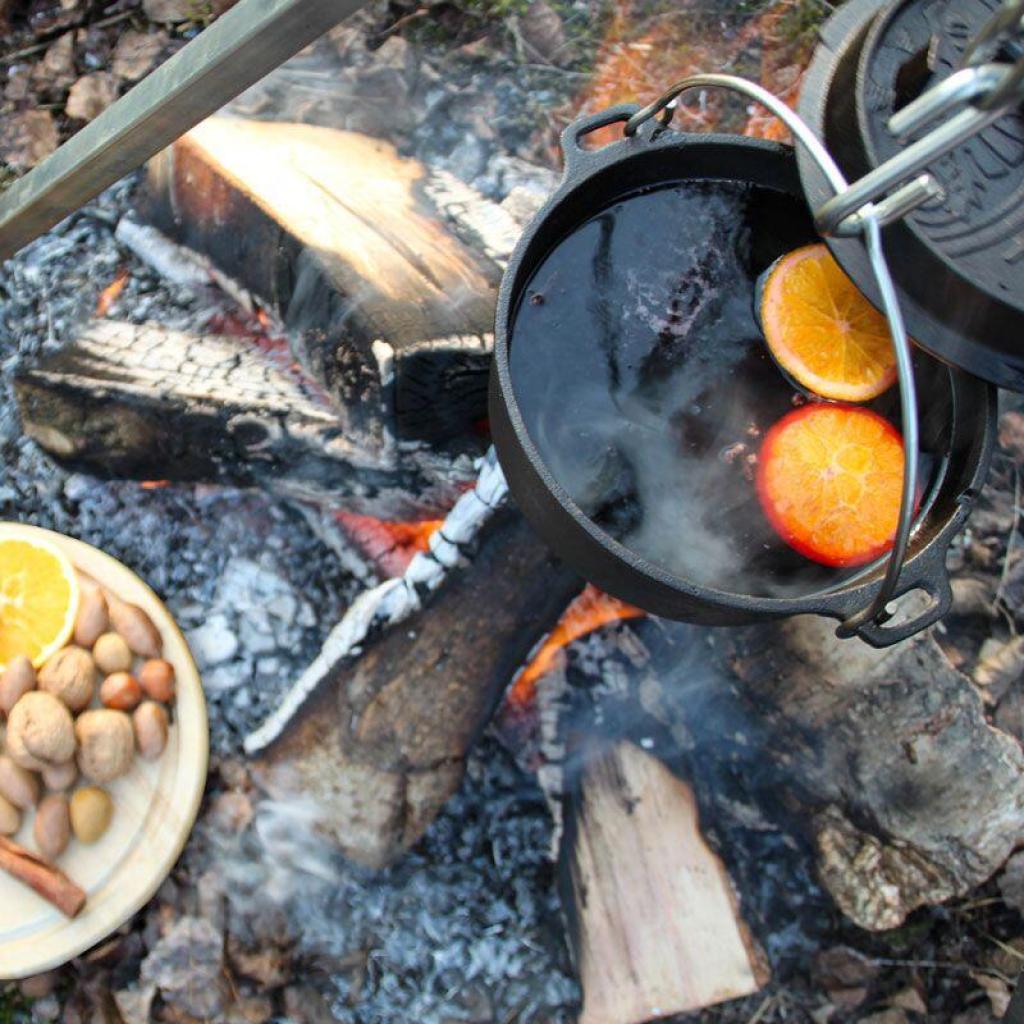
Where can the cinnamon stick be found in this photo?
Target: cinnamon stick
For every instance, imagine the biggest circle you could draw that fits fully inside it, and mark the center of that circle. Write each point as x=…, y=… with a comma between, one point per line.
x=47, y=879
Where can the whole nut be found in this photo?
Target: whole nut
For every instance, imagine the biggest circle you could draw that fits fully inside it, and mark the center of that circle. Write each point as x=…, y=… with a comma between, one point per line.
x=120, y=691
x=18, y=785
x=91, y=810
x=106, y=744
x=112, y=654
x=156, y=677
x=60, y=776
x=18, y=678
x=150, y=721
x=10, y=818
x=52, y=827
x=136, y=627
x=93, y=620
x=70, y=675
x=40, y=732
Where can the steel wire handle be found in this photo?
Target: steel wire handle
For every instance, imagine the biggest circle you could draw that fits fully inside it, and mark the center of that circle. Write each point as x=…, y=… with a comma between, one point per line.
x=869, y=219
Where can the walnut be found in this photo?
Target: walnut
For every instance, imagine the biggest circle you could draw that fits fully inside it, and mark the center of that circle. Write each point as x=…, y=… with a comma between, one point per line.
x=70, y=675
x=106, y=744
x=40, y=732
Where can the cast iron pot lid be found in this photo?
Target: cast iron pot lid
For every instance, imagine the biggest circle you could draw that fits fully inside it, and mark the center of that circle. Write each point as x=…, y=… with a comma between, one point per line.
x=958, y=262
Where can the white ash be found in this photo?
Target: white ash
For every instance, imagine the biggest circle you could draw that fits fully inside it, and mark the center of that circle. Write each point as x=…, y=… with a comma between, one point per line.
x=242, y=572
x=394, y=600
x=471, y=911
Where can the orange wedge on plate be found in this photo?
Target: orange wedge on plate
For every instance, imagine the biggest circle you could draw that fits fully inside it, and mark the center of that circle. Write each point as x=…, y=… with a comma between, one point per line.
x=822, y=331
x=829, y=478
x=38, y=596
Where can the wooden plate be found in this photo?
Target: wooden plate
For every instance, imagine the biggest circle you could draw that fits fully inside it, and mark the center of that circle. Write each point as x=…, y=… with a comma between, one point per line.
x=155, y=807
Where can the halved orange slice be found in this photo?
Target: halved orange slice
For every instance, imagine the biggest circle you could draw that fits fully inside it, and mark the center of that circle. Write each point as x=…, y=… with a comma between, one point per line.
x=822, y=331
x=829, y=478
x=38, y=596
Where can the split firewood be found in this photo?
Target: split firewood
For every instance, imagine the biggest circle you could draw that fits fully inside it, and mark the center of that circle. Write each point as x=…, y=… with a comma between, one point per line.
x=383, y=271
x=379, y=741
x=654, y=922
x=45, y=878
x=157, y=404
x=883, y=758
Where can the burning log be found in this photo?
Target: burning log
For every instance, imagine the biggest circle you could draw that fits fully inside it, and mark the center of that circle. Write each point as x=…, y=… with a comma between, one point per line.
x=384, y=272
x=907, y=794
x=379, y=742
x=913, y=798
x=653, y=918
x=151, y=403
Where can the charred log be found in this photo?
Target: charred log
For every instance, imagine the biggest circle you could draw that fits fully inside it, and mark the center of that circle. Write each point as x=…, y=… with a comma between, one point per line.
x=384, y=272
x=889, y=768
x=380, y=743
x=149, y=403
x=913, y=797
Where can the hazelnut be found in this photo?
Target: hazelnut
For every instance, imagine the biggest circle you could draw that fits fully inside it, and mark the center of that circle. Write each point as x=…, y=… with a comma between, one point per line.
x=93, y=620
x=91, y=810
x=40, y=732
x=70, y=675
x=60, y=776
x=106, y=744
x=112, y=654
x=150, y=721
x=52, y=827
x=10, y=818
x=136, y=627
x=156, y=678
x=120, y=691
x=18, y=678
x=18, y=785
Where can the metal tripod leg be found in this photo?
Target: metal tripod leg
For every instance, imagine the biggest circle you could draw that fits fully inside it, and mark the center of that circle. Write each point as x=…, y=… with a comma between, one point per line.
x=242, y=46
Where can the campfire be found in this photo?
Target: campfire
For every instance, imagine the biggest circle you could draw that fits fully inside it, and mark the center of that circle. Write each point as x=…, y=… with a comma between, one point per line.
x=452, y=780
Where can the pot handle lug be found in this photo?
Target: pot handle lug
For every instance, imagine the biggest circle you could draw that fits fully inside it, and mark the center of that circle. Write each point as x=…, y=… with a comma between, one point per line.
x=572, y=135
x=933, y=579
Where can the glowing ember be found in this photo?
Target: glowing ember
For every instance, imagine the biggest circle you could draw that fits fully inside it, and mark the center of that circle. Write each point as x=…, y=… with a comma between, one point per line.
x=154, y=485
x=391, y=546
x=109, y=294
x=591, y=610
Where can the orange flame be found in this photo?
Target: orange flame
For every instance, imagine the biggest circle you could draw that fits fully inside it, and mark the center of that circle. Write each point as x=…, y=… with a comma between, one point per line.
x=154, y=485
x=264, y=318
x=391, y=546
x=591, y=610
x=109, y=294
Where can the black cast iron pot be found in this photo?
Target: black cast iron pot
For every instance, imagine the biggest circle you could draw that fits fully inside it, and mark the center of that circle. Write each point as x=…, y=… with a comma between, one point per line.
x=656, y=157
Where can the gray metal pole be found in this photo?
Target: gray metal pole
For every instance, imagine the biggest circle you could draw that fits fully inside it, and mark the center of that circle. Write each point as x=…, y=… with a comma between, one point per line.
x=242, y=46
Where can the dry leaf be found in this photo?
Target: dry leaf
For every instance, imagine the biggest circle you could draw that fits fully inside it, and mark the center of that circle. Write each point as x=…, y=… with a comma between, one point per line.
x=909, y=999
x=996, y=989
x=136, y=53
x=540, y=33
x=27, y=138
x=91, y=95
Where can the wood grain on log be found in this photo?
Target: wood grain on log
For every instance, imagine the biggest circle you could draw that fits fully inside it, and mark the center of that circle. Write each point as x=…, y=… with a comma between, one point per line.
x=150, y=403
x=380, y=745
x=654, y=921
x=914, y=797
x=383, y=271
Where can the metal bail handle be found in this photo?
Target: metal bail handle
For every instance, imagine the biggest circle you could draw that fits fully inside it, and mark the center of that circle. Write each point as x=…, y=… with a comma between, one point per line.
x=867, y=219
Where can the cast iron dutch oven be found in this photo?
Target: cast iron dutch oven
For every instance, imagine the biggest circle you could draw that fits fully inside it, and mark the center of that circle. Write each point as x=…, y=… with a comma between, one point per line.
x=594, y=180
